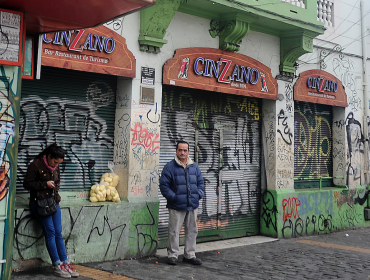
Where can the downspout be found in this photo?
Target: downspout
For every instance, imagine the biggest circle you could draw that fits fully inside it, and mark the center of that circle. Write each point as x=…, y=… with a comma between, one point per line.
x=365, y=95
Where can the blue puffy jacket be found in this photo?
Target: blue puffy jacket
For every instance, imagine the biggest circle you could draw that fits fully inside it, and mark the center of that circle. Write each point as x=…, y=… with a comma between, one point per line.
x=183, y=188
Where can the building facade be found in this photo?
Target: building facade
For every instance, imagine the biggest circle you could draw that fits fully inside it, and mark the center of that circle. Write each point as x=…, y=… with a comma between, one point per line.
x=272, y=98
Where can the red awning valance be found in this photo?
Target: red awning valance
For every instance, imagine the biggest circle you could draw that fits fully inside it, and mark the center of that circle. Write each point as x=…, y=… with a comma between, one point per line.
x=44, y=16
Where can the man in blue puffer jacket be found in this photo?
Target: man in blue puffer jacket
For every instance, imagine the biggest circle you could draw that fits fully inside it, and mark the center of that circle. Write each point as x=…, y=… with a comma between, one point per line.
x=181, y=183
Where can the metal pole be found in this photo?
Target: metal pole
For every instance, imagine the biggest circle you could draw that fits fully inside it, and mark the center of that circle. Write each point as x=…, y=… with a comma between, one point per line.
x=365, y=95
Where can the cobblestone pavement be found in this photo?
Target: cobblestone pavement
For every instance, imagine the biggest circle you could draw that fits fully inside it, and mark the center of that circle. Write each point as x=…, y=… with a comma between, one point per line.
x=340, y=255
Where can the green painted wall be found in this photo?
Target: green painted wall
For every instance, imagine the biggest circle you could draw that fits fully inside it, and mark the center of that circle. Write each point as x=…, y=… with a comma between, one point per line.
x=92, y=233
x=293, y=213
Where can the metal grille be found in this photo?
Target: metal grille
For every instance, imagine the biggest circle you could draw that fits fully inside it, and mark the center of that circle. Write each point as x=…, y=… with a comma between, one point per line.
x=76, y=110
x=312, y=144
x=240, y=175
x=227, y=129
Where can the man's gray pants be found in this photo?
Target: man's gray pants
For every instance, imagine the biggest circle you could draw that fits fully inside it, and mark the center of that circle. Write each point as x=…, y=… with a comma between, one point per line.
x=176, y=219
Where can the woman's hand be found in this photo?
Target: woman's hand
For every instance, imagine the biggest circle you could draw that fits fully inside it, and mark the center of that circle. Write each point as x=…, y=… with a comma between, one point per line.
x=51, y=184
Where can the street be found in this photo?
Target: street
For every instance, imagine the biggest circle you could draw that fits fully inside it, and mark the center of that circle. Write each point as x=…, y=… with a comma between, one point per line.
x=339, y=255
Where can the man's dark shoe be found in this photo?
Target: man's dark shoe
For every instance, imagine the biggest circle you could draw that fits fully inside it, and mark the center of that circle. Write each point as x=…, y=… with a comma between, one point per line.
x=172, y=261
x=194, y=261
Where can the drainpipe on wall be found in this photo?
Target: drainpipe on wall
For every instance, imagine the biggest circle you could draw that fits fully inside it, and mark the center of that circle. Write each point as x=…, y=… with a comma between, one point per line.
x=365, y=98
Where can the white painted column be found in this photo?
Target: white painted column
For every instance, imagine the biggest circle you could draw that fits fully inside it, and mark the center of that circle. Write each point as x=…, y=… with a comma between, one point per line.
x=278, y=121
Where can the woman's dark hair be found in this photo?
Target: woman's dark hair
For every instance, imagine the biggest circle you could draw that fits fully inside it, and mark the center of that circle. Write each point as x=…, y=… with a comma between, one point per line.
x=54, y=151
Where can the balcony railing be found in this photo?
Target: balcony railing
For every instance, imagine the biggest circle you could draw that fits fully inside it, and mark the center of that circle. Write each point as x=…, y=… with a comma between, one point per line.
x=324, y=12
x=298, y=3
x=324, y=9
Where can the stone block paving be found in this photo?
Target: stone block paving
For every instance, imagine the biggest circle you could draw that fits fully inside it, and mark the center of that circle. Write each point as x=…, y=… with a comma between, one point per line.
x=283, y=259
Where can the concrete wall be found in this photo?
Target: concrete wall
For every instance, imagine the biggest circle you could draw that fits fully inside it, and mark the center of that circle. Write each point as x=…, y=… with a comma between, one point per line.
x=91, y=233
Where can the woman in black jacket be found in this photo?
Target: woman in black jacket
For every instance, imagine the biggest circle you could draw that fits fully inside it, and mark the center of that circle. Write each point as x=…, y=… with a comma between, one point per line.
x=41, y=183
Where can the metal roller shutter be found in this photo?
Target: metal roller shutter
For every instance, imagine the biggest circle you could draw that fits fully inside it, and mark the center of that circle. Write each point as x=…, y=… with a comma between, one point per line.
x=76, y=110
x=313, y=164
x=227, y=131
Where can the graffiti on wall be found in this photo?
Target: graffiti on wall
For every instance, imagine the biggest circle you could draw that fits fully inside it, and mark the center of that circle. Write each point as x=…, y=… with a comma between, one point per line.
x=73, y=124
x=290, y=208
x=99, y=94
x=7, y=126
x=355, y=143
x=151, y=183
x=146, y=138
x=115, y=24
x=342, y=204
x=307, y=214
x=121, y=143
x=228, y=149
x=289, y=97
x=122, y=100
x=270, y=138
x=339, y=150
x=310, y=213
x=144, y=142
x=104, y=236
x=351, y=197
x=153, y=115
x=310, y=225
x=344, y=69
x=269, y=210
x=313, y=142
x=144, y=231
x=285, y=133
x=142, y=126
x=284, y=152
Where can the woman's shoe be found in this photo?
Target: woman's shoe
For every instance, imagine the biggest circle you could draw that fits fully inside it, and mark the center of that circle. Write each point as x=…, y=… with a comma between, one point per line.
x=59, y=270
x=71, y=270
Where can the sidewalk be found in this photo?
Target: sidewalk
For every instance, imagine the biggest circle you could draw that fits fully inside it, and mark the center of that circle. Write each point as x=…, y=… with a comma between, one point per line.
x=340, y=255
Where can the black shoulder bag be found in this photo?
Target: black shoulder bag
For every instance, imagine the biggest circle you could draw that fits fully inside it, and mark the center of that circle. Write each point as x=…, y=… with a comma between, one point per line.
x=47, y=206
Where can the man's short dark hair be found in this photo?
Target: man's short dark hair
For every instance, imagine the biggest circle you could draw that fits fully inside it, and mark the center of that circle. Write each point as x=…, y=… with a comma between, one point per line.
x=181, y=142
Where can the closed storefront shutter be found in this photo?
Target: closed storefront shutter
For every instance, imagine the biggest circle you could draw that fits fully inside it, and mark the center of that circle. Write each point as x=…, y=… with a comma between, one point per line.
x=223, y=131
x=75, y=109
x=313, y=144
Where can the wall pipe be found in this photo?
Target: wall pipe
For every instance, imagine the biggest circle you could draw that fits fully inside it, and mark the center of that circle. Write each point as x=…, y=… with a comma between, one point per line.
x=365, y=94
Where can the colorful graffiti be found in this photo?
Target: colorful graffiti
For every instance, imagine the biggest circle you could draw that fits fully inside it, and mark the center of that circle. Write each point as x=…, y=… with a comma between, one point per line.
x=309, y=213
x=313, y=141
x=290, y=208
x=7, y=126
x=141, y=136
